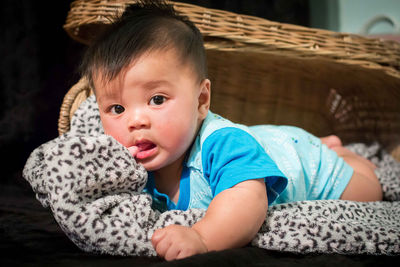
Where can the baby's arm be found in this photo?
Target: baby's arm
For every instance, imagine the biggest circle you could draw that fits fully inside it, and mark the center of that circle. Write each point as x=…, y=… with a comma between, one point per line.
x=232, y=220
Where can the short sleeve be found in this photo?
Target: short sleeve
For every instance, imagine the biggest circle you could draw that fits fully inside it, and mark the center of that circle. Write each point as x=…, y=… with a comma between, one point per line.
x=231, y=155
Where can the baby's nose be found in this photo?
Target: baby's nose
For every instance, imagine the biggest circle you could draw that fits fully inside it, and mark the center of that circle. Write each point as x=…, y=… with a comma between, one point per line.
x=138, y=120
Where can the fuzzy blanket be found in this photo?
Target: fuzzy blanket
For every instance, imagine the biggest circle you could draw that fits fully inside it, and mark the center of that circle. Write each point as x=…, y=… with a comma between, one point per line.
x=93, y=187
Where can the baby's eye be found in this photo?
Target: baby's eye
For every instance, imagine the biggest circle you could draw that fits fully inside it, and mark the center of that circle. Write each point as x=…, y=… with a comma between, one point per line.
x=157, y=100
x=117, y=109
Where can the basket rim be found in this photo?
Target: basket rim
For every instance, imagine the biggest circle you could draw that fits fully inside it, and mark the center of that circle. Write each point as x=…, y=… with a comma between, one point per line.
x=225, y=30
x=70, y=104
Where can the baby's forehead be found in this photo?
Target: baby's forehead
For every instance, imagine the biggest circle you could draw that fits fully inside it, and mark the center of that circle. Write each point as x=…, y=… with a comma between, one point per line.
x=106, y=86
x=110, y=85
x=171, y=51
x=105, y=89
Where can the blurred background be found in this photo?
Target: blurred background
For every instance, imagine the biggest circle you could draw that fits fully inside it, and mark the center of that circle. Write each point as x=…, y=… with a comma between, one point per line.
x=39, y=60
x=375, y=18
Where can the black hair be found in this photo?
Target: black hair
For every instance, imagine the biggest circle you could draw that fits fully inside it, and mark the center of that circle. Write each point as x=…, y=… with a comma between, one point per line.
x=144, y=26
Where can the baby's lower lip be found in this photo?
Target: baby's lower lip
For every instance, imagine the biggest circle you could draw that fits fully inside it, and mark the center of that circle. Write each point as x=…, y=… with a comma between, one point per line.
x=148, y=152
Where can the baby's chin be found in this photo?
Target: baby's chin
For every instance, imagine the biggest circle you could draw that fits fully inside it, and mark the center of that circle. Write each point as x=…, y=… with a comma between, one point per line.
x=150, y=164
x=155, y=164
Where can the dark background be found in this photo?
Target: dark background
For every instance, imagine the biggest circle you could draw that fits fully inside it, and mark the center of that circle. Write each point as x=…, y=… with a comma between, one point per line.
x=39, y=61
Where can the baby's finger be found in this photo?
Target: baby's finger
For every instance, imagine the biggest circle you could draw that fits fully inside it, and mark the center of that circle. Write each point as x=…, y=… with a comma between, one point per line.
x=163, y=247
x=172, y=253
x=157, y=237
x=184, y=254
x=161, y=242
x=133, y=150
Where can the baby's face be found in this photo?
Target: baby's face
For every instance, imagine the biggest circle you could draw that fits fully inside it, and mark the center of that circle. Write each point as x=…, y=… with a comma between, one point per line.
x=154, y=105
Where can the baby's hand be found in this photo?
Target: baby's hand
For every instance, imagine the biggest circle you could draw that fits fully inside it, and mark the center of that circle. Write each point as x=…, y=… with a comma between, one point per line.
x=133, y=150
x=177, y=242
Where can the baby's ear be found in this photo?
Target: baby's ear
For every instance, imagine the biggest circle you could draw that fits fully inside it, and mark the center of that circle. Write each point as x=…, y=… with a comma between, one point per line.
x=204, y=98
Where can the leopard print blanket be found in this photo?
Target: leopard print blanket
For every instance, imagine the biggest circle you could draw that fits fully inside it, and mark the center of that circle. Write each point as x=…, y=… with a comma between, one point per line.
x=93, y=187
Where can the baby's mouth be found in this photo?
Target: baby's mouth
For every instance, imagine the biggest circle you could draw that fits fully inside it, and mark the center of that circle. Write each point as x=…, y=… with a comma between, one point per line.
x=146, y=149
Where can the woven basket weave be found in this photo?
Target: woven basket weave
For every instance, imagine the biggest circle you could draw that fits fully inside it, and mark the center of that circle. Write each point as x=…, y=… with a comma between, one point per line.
x=267, y=72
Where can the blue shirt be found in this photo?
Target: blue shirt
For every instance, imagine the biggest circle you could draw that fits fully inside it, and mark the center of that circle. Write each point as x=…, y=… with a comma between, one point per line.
x=223, y=155
x=293, y=163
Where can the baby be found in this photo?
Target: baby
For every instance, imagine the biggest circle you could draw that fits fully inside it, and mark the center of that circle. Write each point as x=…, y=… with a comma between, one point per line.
x=149, y=74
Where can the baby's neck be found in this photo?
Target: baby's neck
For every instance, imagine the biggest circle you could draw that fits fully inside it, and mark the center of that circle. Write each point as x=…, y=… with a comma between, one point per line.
x=167, y=180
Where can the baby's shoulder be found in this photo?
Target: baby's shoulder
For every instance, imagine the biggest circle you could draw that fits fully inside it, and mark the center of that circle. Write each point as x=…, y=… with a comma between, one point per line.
x=217, y=126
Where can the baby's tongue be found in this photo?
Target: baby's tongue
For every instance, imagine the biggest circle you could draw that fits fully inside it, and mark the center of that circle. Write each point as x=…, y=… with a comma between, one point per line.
x=145, y=146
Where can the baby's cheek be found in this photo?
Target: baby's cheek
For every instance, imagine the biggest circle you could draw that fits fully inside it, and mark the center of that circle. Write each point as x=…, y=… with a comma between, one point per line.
x=182, y=138
x=120, y=139
x=117, y=135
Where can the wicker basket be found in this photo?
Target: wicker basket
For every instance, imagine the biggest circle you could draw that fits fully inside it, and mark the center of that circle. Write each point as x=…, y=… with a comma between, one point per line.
x=267, y=72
